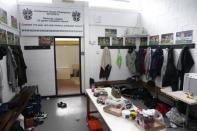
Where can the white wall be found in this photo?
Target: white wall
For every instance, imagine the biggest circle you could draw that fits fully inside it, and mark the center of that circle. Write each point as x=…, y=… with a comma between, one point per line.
x=40, y=63
x=11, y=7
x=171, y=16
x=66, y=56
x=167, y=16
x=40, y=66
x=99, y=20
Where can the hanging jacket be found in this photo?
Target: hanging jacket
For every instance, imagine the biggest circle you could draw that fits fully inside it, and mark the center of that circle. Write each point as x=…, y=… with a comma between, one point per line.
x=1, y=86
x=147, y=62
x=170, y=77
x=105, y=68
x=184, y=65
x=156, y=63
x=130, y=62
x=21, y=66
x=3, y=52
x=139, y=64
x=11, y=70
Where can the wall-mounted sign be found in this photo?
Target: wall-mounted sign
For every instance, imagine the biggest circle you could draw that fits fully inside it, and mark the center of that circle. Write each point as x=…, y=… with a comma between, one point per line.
x=130, y=41
x=110, y=32
x=46, y=40
x=104, y=41
x=3, y=16
x=167, y=39
x=154, y=40
x=16, y=40
x=14, y=22
x=3, y=36
x=10, y=36
x=117, y=41
x=51, y=21
x=184, y=37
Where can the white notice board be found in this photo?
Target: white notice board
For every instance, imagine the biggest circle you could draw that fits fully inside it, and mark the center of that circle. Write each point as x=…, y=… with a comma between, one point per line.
x=51, y=21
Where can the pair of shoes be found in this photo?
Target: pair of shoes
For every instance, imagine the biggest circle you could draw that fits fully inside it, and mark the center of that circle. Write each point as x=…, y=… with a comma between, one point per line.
x=41, y=115
x=62, y=105
x=38, y=121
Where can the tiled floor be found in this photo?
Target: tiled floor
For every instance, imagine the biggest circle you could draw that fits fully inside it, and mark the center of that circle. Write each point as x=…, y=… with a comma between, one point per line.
x=72, y=118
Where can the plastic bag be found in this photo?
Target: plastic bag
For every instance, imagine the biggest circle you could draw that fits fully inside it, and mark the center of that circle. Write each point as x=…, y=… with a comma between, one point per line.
x=174, y=116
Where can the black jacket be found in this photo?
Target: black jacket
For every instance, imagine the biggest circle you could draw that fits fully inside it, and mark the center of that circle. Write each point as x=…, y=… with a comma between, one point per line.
x=21, y=66
x=170, y=77
x=185, y=63
x=139, y=63
x=156, y=63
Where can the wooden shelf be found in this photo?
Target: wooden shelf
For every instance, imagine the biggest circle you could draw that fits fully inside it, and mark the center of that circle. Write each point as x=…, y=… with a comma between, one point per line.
x=7, y=119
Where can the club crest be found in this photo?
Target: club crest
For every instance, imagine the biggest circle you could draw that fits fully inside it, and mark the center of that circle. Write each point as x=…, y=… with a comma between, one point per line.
x=27, y=13
x=76, y=16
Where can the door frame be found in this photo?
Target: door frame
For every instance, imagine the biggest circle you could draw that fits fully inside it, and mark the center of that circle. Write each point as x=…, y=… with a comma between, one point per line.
x=55, y=62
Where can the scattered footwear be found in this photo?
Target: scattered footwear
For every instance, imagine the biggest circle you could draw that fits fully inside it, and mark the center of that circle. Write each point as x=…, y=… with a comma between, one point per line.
x=62, y=105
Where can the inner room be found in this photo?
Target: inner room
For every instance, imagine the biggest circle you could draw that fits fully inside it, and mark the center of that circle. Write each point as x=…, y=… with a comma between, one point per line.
x=98, y=65
x=67, y=65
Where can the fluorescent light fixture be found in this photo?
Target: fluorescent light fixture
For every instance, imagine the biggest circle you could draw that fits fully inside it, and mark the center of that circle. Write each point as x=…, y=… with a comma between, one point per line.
x=66, y=39
x=35, y=1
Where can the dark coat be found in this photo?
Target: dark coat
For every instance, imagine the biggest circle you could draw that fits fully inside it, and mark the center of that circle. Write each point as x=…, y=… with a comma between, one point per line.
x=185, y=63
x=139, y=63
x=170, y=77
x=156, y=63
x=21, y=66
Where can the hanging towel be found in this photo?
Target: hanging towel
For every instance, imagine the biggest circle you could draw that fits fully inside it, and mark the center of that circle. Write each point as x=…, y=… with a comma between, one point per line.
x=119, y=59
x=130, y=62
x=105, y=68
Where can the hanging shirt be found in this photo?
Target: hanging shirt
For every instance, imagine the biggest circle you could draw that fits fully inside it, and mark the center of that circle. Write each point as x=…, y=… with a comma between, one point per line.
x=130, y=62
x=119, y=59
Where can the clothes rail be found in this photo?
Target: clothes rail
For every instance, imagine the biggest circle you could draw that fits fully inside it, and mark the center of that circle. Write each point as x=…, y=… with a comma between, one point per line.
x=175, y=46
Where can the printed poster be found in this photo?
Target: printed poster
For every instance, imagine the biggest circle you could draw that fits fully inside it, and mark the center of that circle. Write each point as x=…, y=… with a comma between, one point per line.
x=3, y=16
x=154, y=40
x=3, y=36
x=130, y=41
x=10, y=37
x=110, y=32
x=16, y=40
x=184, y=37
x=104, y=41
x=117, y=41
x=46, y=40
x=143, y=41
x=14, y=22
x=167, y=39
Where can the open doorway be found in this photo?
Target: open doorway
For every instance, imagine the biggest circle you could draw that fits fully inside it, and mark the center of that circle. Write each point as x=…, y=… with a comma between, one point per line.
x=67, y=58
